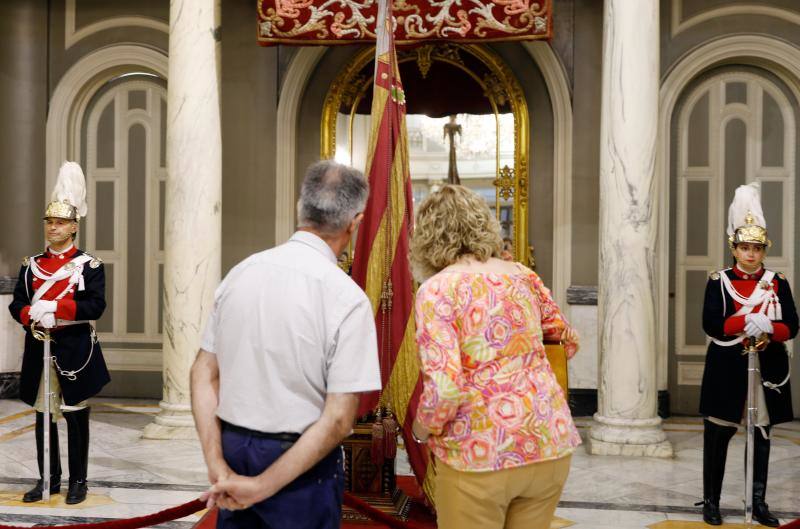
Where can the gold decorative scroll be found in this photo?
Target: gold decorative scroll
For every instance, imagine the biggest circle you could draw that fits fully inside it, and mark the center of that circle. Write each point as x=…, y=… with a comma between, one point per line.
x=326, y=22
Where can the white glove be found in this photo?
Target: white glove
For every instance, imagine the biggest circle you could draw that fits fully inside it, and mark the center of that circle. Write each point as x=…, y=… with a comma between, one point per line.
x=48, y=321
x=42, y=307
x=759, y=323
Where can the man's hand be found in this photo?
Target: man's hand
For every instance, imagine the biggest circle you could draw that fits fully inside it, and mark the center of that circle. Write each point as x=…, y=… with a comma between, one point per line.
x=239, y=492
x=218, y=470
x=220, y=500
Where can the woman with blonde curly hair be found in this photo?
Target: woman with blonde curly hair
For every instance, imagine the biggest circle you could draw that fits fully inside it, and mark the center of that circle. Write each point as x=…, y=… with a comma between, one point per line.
x=491, y=411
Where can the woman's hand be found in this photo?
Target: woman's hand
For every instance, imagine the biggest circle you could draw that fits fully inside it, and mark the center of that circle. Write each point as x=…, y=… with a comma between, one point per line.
x=421, y=433
x=571, y=341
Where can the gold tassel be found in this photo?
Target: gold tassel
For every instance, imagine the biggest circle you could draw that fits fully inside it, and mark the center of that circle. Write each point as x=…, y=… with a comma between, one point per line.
x=390, y=428
x=378, y=449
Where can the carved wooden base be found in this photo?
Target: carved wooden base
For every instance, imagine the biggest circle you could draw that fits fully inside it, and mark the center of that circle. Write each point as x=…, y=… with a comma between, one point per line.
x=372, y=483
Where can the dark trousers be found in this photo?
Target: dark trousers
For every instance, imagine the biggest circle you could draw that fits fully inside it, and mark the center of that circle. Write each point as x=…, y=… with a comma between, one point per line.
x=312, y=501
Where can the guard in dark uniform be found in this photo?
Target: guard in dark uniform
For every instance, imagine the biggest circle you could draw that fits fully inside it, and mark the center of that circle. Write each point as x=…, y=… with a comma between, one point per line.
x=743, y=301
x=62, y=290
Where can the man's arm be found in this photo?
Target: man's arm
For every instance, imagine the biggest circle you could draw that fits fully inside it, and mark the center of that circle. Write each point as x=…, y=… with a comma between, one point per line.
x=205, y=399
x=321, y=437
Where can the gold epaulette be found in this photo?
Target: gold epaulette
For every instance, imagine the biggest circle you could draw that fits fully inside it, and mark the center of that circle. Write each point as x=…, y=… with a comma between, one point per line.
x=714, y=275
x=26, y=261
x=780, y=274
x=95, y=262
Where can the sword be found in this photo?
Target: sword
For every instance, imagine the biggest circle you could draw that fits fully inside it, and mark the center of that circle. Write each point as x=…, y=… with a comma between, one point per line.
x=47, y=358
x=751, y=349
x=46, y=442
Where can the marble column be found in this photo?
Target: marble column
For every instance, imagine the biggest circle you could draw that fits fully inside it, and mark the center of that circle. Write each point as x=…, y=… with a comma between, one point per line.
x=23, y=107
x=626, y=422
x=193, y=196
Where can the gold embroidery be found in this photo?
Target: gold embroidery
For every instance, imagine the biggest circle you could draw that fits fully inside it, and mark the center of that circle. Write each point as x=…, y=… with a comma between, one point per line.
x=95, y=262
x=26, y=261
x=714, y=275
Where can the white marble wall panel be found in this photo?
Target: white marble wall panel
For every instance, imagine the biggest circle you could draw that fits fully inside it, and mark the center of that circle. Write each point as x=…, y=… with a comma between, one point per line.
x=583, y=366
x=11, y=339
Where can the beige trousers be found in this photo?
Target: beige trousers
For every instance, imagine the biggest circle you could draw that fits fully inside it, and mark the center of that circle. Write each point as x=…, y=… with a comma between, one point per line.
x=515, y=498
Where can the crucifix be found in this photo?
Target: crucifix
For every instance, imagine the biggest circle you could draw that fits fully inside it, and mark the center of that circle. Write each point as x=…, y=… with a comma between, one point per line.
x=452, y=128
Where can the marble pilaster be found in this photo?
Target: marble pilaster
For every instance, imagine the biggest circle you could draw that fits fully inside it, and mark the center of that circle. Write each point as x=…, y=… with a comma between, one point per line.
x=193, y=202
x=11, y=344
x=627, y=422
x=23, y=94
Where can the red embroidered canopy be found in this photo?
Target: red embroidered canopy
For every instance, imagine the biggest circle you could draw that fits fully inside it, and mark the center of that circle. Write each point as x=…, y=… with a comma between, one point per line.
x=327, y=22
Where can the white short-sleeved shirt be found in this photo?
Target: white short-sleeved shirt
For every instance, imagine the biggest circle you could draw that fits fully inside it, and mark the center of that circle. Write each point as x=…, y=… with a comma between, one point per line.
x=288, y=327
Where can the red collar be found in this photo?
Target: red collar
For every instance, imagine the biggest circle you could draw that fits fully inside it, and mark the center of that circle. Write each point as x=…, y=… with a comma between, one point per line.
x=69, y=254
x=739, y=273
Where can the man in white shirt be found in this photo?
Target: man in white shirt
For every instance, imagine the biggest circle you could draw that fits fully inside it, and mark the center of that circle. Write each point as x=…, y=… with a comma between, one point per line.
x=288, y=347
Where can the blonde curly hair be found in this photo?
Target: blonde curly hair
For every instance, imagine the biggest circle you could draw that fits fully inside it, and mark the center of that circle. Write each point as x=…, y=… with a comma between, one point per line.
x=452, y=222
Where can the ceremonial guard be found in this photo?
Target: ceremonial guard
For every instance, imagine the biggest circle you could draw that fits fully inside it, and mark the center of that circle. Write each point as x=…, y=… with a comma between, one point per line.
x=60, y=292
x=742, y=303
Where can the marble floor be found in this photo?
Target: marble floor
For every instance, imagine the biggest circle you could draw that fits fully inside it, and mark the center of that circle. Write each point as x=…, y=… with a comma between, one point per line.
x=130, y=476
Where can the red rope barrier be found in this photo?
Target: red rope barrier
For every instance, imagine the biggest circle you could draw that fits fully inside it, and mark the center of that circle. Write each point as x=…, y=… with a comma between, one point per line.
x=377, y=515
x=194, y=506
x=149, y=520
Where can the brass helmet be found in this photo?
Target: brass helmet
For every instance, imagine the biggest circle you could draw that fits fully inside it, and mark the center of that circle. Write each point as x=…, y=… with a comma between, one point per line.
x=68, y=200
x=746, y=221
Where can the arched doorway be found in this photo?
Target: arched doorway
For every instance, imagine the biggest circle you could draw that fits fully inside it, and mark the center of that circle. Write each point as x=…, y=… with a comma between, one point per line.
x=123, y=152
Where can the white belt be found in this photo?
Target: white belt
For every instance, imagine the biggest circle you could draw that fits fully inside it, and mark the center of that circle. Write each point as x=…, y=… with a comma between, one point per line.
x=729, y=343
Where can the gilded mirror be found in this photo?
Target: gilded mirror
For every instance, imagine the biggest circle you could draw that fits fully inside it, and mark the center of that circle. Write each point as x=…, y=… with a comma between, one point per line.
x=467, y=122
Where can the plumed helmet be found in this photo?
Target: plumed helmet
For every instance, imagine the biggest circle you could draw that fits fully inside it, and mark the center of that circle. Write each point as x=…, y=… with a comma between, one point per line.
x=746, y=221
x=68, y=200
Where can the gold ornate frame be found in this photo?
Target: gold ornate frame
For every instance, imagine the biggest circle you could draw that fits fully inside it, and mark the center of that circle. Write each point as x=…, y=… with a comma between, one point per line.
x=501, y=88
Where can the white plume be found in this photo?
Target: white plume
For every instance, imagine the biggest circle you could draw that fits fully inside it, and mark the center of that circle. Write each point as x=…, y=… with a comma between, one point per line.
x=747, y=199
x=71, y=187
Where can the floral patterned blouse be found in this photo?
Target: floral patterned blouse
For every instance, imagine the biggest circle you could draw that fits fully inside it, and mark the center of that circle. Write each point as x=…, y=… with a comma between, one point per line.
x=490, y=397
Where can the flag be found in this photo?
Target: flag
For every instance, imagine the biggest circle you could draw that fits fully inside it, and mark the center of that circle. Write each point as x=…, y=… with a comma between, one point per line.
x=380, y=264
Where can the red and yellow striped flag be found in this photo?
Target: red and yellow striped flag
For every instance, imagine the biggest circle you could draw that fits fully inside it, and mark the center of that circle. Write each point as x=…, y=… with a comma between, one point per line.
x=380, y=264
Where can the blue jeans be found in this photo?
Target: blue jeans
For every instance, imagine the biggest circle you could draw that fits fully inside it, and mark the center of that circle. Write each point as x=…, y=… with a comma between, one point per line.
x=312, y=501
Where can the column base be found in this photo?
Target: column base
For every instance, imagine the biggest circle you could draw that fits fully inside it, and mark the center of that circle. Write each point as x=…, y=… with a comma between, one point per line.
x=9, y=385
x=174, y=421
x=628, y=437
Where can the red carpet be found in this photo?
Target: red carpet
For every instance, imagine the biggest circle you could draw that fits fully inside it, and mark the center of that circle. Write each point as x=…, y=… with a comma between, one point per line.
x=419, y=514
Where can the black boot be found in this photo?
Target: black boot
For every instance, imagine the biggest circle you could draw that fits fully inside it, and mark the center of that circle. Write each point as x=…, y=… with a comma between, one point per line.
x=35, y=494
x=78, y=443
x=715, y=452
x=761, y=512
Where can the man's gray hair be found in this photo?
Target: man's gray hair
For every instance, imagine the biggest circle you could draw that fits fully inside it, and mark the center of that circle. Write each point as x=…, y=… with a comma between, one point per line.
x=331, y=196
